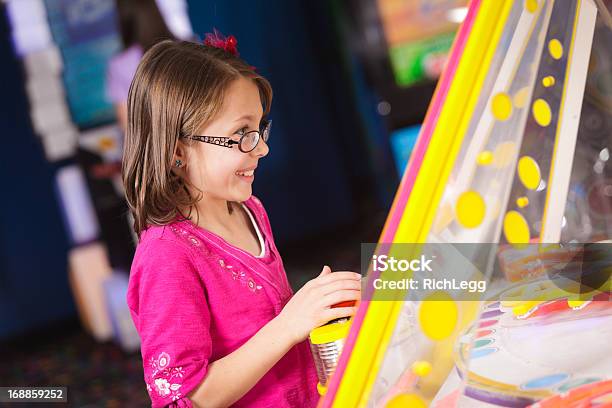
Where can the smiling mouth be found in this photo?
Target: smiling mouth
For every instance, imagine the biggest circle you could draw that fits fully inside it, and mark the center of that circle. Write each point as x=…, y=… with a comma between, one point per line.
x=247, y=173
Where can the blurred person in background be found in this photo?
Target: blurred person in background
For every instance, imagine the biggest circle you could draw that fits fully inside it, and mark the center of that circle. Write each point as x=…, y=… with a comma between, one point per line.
x=141, y=25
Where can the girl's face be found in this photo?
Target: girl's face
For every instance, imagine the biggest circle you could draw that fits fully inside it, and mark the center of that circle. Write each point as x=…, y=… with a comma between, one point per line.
x=227, y=173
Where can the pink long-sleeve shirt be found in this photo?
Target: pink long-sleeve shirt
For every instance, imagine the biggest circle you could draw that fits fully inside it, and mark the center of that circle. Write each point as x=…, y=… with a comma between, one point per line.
x=195, y=298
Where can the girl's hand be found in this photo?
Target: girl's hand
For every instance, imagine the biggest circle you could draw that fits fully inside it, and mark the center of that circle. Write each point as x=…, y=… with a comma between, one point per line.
x=311, y=306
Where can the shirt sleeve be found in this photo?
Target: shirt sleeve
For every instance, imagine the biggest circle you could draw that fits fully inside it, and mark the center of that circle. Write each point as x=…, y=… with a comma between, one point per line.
x=173, y=320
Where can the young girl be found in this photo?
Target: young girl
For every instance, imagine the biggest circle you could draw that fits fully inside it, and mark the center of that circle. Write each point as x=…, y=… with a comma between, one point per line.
x=218, y=321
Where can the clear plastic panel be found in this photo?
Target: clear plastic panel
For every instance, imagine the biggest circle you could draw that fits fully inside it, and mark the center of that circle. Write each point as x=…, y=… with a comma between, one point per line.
x=509, y=353
x=495, y=129
x=539, y=341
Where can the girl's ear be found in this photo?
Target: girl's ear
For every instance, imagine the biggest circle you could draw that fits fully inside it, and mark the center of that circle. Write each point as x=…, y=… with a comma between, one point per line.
x=179, y=159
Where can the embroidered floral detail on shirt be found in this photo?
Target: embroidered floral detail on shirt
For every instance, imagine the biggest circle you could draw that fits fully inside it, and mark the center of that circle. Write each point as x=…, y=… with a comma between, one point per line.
x=240, y=276
x=236, y=275
x=179, y=231
x=164, y=384
x=253, y=286
x=187, y=236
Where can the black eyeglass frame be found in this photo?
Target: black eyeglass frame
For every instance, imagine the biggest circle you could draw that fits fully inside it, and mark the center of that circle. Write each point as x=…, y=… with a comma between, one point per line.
x=225, y=141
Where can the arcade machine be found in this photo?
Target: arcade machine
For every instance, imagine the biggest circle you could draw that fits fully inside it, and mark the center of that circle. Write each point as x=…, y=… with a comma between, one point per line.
x=513, y=156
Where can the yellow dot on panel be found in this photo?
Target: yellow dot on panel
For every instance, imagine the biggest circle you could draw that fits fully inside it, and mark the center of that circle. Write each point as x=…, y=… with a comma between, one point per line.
x=501, y=106
x=406, y=401
x=520, y=97
x=548, y=81
x=522, y=202
x=438, y=315
x=531, y=5
x=555, y=48
x=516, y=229
x=503, y=154
x=541, y=112
x=485, y=158
x=470, y=209
x=529, y=172
x=421, y=368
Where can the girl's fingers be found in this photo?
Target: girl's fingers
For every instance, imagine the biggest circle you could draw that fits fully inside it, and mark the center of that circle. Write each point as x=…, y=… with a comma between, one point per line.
x=343, y=284
x=338, y=312
x=356, y=273
x=316, y=282
x=326, y=271
x=340, y=296
x=331, y=277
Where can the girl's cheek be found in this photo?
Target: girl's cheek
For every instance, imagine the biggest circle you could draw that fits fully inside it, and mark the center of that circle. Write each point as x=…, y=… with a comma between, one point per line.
x=199, y=175
x=219, y=173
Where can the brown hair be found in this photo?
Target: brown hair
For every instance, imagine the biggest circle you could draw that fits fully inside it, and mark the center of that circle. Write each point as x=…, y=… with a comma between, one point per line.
x=178, y=87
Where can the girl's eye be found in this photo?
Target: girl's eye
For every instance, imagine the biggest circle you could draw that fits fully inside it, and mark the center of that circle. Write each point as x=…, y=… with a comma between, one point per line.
x=242, y=131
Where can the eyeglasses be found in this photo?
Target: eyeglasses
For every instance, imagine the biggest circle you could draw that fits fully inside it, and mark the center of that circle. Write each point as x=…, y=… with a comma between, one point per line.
x=248, y=139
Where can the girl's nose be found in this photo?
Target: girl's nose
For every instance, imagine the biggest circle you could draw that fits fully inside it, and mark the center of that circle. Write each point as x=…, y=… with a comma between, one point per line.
x=261, y=150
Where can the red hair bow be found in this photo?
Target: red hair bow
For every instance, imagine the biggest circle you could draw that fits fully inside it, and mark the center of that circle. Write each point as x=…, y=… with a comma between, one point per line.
x=218, y=40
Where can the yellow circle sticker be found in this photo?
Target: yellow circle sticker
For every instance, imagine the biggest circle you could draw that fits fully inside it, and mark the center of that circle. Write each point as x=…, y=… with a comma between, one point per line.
x=516, y=229
x=438, y=315
x=531, y=5
x=529, y=172
x=470, y=209
x=555, y=48
x=501, y=105
x=541, y=112
x=548, y=81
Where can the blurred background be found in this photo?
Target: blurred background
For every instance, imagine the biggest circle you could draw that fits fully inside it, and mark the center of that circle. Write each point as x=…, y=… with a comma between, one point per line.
x=352, y=81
